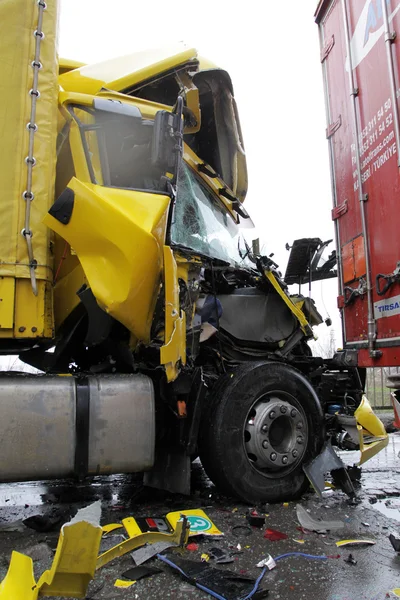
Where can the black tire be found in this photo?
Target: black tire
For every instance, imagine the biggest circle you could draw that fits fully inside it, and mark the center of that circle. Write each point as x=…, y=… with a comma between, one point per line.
x=222, y=447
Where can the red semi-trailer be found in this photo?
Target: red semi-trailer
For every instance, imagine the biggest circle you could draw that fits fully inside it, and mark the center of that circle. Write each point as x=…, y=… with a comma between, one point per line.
x=360, y=56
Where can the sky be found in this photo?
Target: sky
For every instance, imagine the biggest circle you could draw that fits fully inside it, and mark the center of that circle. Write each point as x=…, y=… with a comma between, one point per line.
x=271, y=51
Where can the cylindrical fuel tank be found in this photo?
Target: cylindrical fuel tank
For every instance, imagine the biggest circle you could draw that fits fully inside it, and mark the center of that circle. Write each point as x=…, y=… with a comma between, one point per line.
x=61, y=426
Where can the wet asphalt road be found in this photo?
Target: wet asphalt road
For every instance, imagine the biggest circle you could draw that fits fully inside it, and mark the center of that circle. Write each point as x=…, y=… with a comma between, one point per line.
x=376, y=573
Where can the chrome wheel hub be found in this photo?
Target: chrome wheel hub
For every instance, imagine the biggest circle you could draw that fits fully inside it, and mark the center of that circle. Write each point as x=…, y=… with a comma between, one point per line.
x=275, y=434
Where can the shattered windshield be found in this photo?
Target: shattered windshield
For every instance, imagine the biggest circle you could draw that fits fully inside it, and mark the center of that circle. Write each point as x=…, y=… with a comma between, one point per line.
x=203, y=224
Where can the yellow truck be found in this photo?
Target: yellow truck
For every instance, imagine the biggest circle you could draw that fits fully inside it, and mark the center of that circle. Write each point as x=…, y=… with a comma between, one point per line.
x=127, y=280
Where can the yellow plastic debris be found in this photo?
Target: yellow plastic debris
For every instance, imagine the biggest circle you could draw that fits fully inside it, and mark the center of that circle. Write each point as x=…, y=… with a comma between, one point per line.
x=286, y=504
x=299, y=541
x=371, y=431
x=73, y=566
x=200, y=523
x=396, y=591
x=205, y=557
x=111, y=527
x=120, y=583
x=179, y=536
x=355, y=543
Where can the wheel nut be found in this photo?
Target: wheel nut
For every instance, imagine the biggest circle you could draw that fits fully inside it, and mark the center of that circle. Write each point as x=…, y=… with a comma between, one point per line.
x=265, y=444
x=283, y=409
x=299, y=440
x=273, y=456
x=264, y=428
x=293, y=412
x=284, y=460
x=300, y=425
x=272, y=414
x=294, y=453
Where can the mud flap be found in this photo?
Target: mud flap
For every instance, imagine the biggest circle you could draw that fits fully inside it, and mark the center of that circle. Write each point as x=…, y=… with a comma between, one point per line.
x=328, y=461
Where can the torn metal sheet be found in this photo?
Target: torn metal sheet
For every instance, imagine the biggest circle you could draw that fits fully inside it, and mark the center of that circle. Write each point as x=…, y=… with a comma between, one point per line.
x=341, y=543
x=141, y=555
x=325, y=462
x=179, y=537
x=200, y=523
x=307, y=522
x=73, y=565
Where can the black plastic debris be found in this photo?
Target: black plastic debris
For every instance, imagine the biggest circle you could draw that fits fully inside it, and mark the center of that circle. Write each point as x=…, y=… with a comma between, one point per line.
x=137, y=573
x=350, y=560
x=255, y=519
x=395, y=542
x=226, y=584
x=220, y=556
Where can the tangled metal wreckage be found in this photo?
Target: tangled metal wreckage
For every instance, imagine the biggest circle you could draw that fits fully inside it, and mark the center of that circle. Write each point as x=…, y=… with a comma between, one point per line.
x=159, y=331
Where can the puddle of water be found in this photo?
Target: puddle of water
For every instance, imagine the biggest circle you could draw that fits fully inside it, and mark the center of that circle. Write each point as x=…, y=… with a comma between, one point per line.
x=388, y=511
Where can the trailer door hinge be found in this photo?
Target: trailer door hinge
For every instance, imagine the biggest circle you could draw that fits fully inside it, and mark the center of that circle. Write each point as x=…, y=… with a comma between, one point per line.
x=340, y=210
x=327, y=48
x=333, y=127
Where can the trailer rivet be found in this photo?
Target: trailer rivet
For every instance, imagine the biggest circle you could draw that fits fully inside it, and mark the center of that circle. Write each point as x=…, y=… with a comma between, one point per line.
x=284, y=459
x=21, y=329
x=273, y=456
x=34, y=329
x=300, y=425
x=264, y=428
x=283, y=409
x=294, y=453
x=265, y=444
x=272, y=414
x=299, y=440
x=293, y=412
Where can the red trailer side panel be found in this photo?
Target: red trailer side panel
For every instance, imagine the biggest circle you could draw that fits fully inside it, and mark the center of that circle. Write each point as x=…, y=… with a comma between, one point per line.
x=363, y=134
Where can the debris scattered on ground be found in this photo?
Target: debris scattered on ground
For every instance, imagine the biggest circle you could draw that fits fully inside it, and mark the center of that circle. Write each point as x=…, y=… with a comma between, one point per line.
x=217, y=583
x=350, y=560
x=307, y=522
x=192, y=547
x=199, y=522
x=365, y=524
x=341, y=543
x=254, y=518
x=274, y=535
x=121, y=583
x=73, y=566
x=205, y=557
x=136, y=573
x=220, y=556
x=145, y=553
x=268, y=562
x=395, y=541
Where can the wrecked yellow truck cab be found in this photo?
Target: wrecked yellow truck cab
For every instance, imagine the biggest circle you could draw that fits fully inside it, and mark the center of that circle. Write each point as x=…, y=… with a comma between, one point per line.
x=136, y=275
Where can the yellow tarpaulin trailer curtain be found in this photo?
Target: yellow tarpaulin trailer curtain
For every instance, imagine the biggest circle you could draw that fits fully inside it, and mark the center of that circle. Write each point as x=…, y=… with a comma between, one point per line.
x=28, y=37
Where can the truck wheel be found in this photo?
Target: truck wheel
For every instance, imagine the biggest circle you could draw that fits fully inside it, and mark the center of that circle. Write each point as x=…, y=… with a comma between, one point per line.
x=263, y=422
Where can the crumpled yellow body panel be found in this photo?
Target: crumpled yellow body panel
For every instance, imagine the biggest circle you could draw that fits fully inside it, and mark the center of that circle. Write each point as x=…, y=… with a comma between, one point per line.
x=372, y=434
x=118, y=236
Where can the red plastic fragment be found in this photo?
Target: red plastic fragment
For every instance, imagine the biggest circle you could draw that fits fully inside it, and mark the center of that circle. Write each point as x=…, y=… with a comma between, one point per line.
x=192, y=547
x=333, y=556
x=274, y=536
